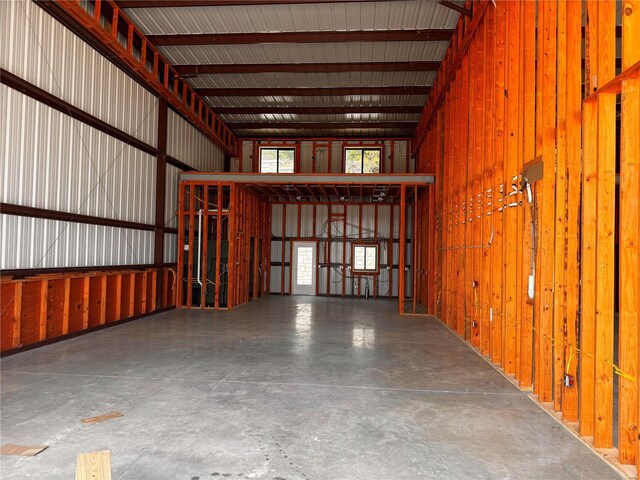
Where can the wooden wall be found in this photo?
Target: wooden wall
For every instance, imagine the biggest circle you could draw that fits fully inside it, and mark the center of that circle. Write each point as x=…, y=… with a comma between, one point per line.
x=526, y=235
x=245, y=216
x=45, y=307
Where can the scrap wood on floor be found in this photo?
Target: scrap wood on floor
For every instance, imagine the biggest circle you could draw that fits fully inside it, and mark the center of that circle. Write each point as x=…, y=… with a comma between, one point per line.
x=102, y=418
x=22, y=450
x=94, y=466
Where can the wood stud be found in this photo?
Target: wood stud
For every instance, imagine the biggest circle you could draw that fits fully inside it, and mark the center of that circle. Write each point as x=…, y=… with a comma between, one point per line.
x=515, y=68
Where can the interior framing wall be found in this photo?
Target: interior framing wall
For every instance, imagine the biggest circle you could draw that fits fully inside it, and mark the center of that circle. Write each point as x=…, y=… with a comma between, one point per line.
x=528, y=216
x=335, y=227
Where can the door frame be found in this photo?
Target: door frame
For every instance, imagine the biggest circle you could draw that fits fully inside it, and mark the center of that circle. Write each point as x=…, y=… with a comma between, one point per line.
x=306, y=289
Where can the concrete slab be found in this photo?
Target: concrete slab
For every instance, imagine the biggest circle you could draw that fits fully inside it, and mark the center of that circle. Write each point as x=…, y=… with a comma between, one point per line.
x=282, y=388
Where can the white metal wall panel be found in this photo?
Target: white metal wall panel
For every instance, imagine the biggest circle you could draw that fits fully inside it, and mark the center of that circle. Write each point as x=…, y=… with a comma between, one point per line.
x=170, y=248
x=276, y=220
x=171, y=197
x=187, y=144
x=306, y=155
x=39, y=243
x=49, y=160
x=39, y=49
x=306, y=221
x=291, y=228
x=410, y=14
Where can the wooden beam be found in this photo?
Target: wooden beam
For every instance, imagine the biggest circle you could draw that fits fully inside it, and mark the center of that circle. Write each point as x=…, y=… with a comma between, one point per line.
x=247, y=68
x=312, y=92
x=573, y=165
x=629, y=239
x=606, y=170
x=403, y=238
x=427, y=35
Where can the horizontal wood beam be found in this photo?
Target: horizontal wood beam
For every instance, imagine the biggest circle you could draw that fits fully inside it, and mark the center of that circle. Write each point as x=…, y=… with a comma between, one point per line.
x=226, y=3
x=316, y=110
x=430, y=35
x=322, y=125
x=308, y=67
x=311, y=92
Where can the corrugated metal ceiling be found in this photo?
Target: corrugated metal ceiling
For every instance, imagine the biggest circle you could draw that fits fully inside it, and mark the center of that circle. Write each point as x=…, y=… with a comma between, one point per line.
x=347, y=117
x=396, y=15
x=307, y=80
x=307, y=52
x=324, y=17
x=320, y=101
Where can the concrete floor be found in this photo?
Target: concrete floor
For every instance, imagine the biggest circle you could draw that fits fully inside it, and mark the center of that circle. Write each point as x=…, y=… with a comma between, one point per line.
x=282, y=388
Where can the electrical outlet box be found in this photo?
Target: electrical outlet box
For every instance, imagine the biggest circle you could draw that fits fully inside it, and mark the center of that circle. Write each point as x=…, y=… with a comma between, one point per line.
x=569, y=381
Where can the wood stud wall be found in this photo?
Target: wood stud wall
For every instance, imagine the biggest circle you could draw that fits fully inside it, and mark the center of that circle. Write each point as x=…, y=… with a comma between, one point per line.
x=523, y=111
x=44, y=307
x=246, y=217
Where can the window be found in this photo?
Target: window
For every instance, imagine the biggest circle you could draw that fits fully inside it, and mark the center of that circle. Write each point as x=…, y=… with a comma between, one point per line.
x=362, y=160
x=277, y=160
x=364, y=258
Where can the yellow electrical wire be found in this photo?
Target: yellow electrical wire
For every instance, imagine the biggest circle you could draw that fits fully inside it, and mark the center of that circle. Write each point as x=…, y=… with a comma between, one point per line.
x=616, y=369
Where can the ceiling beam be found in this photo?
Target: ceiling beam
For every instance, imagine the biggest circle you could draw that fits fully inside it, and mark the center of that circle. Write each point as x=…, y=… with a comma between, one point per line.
x=226, y=3
x=308, y=67
x=311, y=92
x=322, y=125
x=317, y=110
x=431, y=35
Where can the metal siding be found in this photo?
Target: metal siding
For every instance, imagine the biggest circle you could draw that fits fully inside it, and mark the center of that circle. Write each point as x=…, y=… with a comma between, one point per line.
x=49, y=160
x=247, y=156
x=170, y=248
x=187, y=144
x=393, y=15
x=274, y=280
x=291, y=228
x=171, y=197
x=368, y=220
x=306, y=148
x=306, y=221
x=305, y=80
x=37, y=48
x=353, y=219
x=39, y=243
x=276, y=220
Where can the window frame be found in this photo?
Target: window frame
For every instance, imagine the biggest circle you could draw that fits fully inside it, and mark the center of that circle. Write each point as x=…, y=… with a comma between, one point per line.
x=353, y=255
x=362, y=149
x=278, y=149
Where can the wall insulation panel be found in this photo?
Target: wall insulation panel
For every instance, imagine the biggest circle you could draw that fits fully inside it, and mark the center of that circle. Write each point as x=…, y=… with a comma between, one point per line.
x=37, y=48
x=189, y=145
x=39, y=243
x=49, y=160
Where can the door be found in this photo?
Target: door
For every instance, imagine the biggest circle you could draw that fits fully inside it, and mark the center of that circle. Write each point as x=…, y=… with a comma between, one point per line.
x=304, y=268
